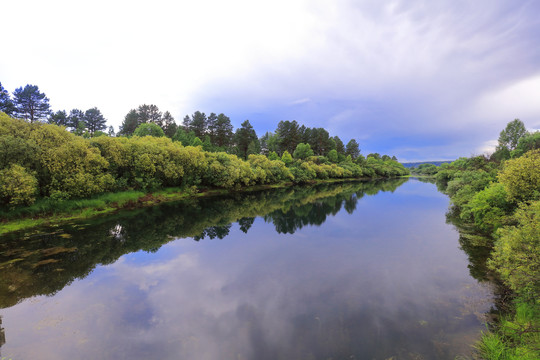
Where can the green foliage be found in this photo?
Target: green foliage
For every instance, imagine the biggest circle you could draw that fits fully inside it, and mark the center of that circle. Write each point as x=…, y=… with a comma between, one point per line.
x=333, y=156
x=17, y=186
x=526, y=143
x=30, y=104
x=286, y=158
x=509, y=137
x=302, y=151
x=273, y=156
x=352, y=149
x=516, y=254
x=521, y=177
x=489, y=208
x=149, y=129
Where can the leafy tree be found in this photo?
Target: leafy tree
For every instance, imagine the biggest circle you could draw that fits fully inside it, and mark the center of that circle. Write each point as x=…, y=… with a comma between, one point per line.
x=30, y=103
x=110, y=131
x=302, y=151
x=59, y=118
x=352, y=149
x=6, y=105
x=169, y=125
x=196, y=141
x=516, y=255
x=273, y=156
x=17, y=186
x=509, y=137
x=130, y=123
x=243, y=137
x=94, y=120
x=333, y=156
x=521, y=177
x=286, y=158
x=526, y=143
x=184, y=137
x=269, y=143
x=149, y=129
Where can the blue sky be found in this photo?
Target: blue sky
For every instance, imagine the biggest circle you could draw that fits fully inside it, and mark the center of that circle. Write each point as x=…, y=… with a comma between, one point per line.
x=422, y=80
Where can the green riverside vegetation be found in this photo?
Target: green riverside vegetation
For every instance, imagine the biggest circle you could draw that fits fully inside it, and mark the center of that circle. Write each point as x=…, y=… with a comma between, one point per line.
x=46, y=170
x=496, y=204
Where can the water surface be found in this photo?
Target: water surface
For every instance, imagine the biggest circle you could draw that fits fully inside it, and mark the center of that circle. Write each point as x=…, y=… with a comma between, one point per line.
x=350, y=271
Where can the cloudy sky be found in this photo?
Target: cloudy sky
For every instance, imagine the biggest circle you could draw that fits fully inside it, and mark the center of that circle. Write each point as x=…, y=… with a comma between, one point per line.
x=422, y=80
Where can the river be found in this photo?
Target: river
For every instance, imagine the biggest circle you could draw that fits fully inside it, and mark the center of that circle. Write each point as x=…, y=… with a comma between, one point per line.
x=360, y=270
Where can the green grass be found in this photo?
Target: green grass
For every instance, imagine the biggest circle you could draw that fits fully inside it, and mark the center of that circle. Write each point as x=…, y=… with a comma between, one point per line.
x=517, y=336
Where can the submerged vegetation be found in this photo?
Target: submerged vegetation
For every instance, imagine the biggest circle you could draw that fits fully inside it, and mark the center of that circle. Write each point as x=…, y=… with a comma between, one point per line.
x=496, y=205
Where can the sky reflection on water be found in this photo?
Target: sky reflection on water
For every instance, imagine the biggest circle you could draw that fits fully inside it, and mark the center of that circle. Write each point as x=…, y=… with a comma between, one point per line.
x=387, y=280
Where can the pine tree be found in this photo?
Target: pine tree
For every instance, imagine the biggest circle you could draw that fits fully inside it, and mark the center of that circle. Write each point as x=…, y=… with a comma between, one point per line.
x=30, y=103
x=94, y=120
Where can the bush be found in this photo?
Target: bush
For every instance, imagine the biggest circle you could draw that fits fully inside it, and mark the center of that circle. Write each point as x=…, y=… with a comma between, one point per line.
x=516, y=255
x=521, y=177
x=17, y=186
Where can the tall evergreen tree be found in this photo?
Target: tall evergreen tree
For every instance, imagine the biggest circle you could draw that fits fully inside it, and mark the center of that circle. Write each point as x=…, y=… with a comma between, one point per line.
x=94, y=120
x=130, y=123
x=168, y=124
x=149, y=114
x=289, y=135
x=30, y=103
x=75, y=117
x=352, y=149
x=198, y=124
x=340, y=147
x=222, y=132
x=245, y=139
x=59, y=118
x=6, y=105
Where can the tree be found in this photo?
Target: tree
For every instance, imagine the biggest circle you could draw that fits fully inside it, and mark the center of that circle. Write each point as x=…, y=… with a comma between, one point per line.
x=509, y=137
x=149, y=129
x=168, y=124
x=75, y=117
x=149, y=114
x=320, y=141
x=59, y=118
x=521, y=177
x=94, y=120
x=130, y=123
x=6, y=105
x=352, y=149
x=289, y=135
x=340, y=148
x=243, y=137
x=269, y=143
x=302, y=151
x=286, y=158
x=198, y=124
x=30, y=103
x=333, y=156
x=222, y=131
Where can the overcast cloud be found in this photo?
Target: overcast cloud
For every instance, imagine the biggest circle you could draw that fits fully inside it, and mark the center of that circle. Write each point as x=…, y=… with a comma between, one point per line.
x=422, y=80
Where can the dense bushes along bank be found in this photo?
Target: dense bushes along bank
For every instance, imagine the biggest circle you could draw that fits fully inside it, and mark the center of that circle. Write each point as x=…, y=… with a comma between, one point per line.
x=42, y=161
x=501, y=200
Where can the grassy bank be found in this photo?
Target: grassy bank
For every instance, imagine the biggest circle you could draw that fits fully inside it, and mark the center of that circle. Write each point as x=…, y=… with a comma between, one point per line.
x=54, y=212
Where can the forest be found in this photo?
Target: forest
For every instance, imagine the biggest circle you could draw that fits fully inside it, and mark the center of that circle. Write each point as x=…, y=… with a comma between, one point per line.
x=60, y=156
x=495, y=203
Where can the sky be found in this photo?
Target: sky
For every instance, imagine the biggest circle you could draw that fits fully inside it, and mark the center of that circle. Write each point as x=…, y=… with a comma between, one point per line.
x=418, y=79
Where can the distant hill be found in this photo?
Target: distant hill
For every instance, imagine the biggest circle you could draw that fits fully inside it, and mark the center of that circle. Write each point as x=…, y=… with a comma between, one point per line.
x=415, y=164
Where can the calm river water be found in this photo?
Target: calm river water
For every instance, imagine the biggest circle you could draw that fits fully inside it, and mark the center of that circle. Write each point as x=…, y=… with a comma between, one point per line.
x=351, y=271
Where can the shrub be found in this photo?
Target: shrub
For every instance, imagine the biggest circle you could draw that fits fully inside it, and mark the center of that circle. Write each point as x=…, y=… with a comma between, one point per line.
x=17, y=186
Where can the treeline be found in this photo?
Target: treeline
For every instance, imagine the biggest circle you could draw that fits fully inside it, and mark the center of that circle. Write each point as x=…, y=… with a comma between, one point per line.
x=499, y=196
x=40, y=160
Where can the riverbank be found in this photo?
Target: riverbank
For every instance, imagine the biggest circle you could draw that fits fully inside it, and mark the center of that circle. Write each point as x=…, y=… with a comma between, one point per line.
x=48, y=212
